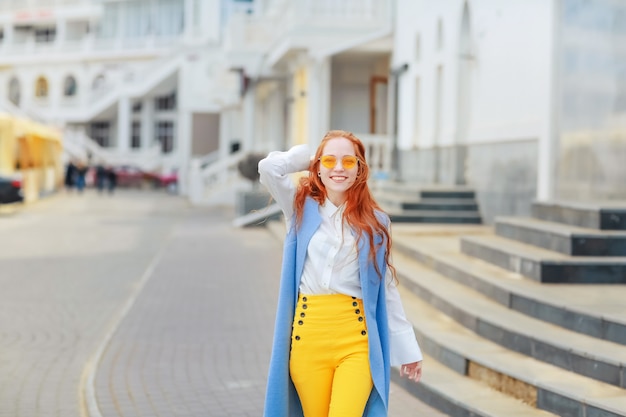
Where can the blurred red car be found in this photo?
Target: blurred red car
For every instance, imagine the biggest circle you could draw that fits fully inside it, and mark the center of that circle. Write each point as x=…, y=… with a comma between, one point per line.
x=131, y=176
x=165, y=180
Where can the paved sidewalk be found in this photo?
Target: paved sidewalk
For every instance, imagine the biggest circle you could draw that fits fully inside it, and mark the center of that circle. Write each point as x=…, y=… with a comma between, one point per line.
x=137, y=305
x=67, y=264
x=197, y=340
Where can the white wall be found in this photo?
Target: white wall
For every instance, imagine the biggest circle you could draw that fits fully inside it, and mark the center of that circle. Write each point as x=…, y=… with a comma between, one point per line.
x=509, y=76
x=202, y=67
x=209, y=22
x=270, y=116
x=418, y=20
x=512, y=73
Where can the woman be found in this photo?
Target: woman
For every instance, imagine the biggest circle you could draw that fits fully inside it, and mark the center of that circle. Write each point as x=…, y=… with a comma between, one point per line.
x=340, y=324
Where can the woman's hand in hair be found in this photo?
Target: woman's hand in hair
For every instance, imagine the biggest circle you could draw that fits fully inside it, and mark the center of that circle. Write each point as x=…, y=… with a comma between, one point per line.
x=413, y=371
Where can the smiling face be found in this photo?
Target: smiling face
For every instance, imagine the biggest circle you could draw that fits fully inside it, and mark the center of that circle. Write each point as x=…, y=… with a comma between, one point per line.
x=338, y=179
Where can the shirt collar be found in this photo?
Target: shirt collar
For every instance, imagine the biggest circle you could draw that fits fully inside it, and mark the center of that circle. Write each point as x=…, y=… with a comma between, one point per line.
x=328, y=209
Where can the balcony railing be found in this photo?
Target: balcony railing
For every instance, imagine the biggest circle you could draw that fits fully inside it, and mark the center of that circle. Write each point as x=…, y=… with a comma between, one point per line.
x=16, y=5
x=304, y=15
x=284, y=18
x=248, y=33
x=88, y=45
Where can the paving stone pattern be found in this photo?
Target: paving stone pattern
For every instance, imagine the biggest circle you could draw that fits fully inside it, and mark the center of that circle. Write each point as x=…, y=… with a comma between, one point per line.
x=66, y=265
x=195, y=341
x=198, y=337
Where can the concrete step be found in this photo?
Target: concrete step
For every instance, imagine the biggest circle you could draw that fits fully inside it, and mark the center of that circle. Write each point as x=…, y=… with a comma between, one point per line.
x=424, y=190
x=409, y=203
x=609, y=215
x=540, y=384
x=563, y=238
x=447, y=193
x=433, y=216
x=403, y=202
x=458, y=395
x=578, y=353
x=543, y=265
x=594, y=310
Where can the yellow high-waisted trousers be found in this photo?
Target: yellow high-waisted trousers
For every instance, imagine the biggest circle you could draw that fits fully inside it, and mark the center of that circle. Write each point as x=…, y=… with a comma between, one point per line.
x=329, y=362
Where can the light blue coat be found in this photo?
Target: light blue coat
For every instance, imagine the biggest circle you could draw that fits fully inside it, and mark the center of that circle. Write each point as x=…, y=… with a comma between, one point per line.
x=281, y=399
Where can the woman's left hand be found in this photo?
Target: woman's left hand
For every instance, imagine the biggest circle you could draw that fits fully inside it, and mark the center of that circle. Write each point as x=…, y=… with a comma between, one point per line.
x=413, y=371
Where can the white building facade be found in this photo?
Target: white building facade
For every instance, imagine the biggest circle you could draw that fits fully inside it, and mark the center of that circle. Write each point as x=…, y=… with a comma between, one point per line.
x=520, y=100
x=306, y=67
x=131, y=82
x=475, y=102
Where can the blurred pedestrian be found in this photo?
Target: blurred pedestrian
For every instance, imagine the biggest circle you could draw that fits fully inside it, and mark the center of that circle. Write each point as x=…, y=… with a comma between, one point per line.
x=81, y=172
x=112, y=178
x=101, y=177
x=340, y=323
x=70, y=176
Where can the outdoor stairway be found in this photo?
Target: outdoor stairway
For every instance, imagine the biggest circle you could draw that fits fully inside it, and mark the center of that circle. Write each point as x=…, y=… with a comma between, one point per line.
x=564, y=242
x=427, y=204
x=557, y=348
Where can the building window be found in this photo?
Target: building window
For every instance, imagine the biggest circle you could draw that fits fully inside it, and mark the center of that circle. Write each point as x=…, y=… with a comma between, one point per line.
x=69, y=86
x=41, y=87
x=108, y=26
x=165, y=102
x=101, y=133
x=45, y=35
x=165, y=136
x=135, y=135
x=168, y=18
x=137, y=107
x=14, y=91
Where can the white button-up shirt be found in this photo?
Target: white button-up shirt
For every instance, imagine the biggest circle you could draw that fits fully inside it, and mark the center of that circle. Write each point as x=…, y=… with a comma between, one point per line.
x=332, y=259
x=331, y=265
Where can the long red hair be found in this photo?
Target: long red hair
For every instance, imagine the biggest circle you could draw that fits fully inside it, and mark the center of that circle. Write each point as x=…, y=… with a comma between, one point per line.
x=360, y=205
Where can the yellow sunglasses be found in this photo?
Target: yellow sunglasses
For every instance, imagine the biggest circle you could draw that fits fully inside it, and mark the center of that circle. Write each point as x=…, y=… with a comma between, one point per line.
x=330, y=161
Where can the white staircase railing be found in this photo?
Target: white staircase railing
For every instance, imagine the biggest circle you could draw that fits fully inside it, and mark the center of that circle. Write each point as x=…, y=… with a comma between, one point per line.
x=214, y=177
x=208, y=159
x=79, y=145
x=74, y=150
x=9, y=107
x=257, y=215
x=132, y=86
x=149, y=159
x=378, y=151
x=77, y=139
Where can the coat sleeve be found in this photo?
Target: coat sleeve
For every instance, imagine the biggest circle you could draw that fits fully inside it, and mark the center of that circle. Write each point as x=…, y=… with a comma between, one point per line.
x=274, y=173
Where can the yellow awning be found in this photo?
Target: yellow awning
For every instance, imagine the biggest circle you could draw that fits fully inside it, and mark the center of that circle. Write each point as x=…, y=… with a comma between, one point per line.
x=42, y=144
